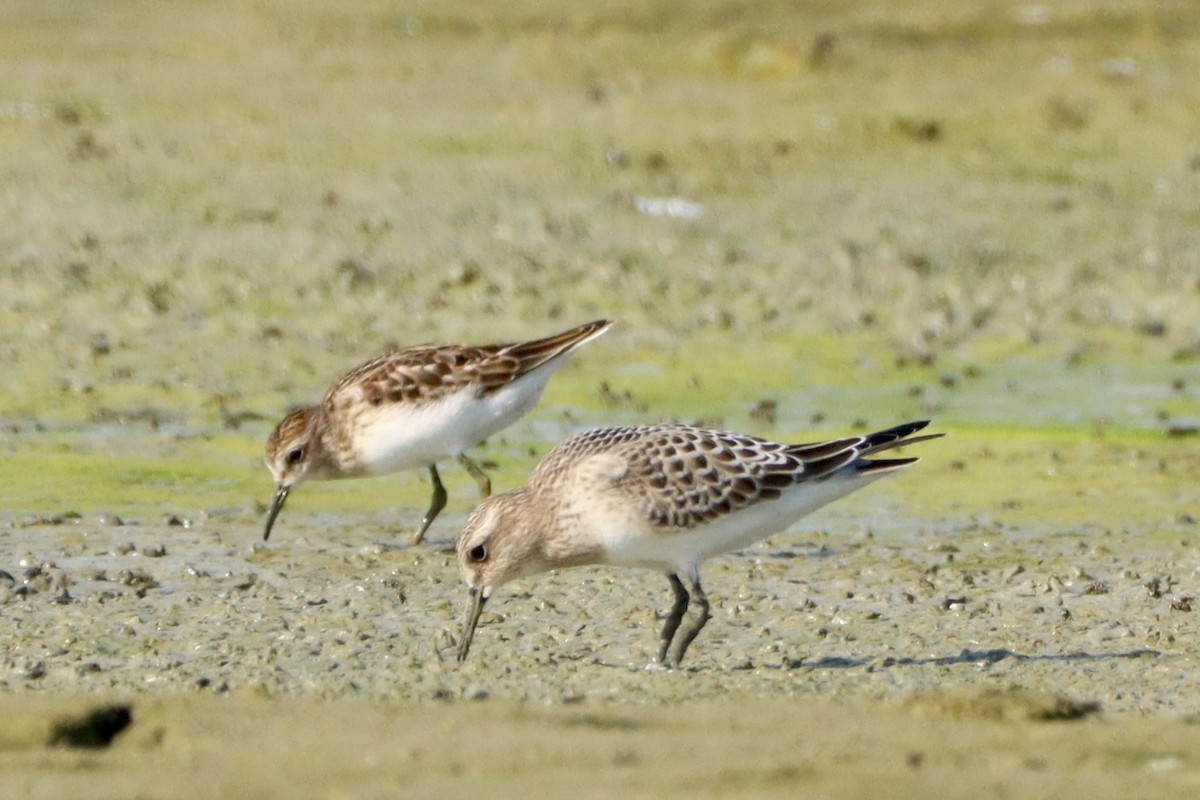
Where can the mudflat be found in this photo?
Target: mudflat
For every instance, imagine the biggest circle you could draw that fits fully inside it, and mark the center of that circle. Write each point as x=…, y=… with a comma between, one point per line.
x=805, y=221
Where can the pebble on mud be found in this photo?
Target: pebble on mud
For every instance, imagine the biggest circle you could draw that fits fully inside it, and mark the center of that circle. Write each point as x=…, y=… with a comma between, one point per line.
x=1010, y=705
x=94, y=729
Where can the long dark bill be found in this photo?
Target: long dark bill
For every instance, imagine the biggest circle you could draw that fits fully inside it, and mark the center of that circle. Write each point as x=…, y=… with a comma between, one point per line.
x=476, y=600
x=281, y=496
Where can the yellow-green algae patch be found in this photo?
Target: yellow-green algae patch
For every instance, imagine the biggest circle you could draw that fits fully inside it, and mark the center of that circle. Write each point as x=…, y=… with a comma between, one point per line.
x=1104, y=470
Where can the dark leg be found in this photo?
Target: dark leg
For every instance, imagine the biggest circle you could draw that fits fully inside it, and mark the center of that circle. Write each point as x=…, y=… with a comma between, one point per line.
x=673, y=618
x=693, y=628
x=481, y=478
x=436, y=504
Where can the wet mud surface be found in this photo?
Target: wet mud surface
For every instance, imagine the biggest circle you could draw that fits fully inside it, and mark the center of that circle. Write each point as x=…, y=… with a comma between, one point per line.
x=804, y=222
x=856, y=604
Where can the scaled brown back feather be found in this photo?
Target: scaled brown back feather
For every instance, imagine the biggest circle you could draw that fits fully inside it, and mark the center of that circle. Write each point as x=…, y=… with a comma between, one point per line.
x=426, y=373
x=685, y=476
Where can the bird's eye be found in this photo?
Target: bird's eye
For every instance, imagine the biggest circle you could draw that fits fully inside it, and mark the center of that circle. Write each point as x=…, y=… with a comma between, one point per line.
x=296, y=455
x=478, y=553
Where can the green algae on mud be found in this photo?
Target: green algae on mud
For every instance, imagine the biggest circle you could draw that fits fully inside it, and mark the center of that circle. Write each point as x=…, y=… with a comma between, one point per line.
x=1054, y=457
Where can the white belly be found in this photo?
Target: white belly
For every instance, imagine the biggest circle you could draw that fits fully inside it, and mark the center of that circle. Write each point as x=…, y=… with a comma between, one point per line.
x=399, y=436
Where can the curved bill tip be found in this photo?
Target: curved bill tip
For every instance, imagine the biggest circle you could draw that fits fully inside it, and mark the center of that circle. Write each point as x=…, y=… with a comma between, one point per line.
x=281, y=496
x=477, y=598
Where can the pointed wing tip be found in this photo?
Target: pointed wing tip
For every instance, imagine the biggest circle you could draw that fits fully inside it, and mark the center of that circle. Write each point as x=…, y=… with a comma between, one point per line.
x=885, y=465
x=596, y=327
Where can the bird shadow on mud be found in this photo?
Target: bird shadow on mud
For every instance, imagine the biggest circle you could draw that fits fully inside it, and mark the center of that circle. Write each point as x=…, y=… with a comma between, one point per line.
x=964, y=657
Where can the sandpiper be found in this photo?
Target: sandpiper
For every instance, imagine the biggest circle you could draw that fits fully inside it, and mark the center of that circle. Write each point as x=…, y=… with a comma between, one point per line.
x=665, y=497
x=412, y=408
